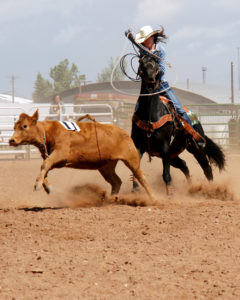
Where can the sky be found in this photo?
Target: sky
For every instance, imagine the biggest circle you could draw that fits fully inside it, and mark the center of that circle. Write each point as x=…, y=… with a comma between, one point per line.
x=36, y=35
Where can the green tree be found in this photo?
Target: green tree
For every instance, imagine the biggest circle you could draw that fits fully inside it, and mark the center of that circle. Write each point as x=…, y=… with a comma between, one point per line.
x=65, y=78
x=106, y=73
x=43, y=89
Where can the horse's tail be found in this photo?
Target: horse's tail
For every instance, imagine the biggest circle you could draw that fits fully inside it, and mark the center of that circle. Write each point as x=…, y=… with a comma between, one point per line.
x=214, y=152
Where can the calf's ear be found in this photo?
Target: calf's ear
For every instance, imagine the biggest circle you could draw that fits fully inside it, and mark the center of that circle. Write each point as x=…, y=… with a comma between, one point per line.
x=35, y=117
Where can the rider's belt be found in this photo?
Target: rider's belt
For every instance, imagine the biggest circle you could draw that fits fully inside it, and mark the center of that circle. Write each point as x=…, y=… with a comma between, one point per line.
x=151, y=126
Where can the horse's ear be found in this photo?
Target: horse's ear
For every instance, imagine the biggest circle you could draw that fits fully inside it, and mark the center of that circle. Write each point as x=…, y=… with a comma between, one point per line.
x=35, y=117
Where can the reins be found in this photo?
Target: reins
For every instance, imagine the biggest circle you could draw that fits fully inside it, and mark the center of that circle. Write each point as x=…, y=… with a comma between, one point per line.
x=149, y=126
x=149, y=132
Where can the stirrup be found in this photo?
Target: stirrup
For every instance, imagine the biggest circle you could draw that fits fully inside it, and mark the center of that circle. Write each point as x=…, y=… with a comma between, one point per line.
x=201, y=144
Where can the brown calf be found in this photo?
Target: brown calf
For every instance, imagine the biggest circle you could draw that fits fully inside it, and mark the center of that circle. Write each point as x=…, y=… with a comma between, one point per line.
x=94, y=146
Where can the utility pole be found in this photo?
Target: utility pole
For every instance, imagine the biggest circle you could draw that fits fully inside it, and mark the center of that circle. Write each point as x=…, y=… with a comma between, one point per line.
x=232, y=85
x=204, y=69
x=13, y=87
x=238, y=67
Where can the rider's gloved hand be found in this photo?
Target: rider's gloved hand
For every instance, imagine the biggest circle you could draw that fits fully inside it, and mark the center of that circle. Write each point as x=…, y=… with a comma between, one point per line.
x=129, y=34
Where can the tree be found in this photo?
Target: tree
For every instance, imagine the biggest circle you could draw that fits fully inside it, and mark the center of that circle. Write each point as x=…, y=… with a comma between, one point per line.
x=106, y=73
x=42, y=89
x=65, y=78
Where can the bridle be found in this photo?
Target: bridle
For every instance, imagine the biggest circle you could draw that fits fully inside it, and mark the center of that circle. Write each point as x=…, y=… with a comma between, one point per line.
x=149, y=64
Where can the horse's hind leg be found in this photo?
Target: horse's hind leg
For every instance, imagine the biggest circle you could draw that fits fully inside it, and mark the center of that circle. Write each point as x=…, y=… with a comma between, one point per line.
x=179, y=163
x=109, y=174
x=203, y=161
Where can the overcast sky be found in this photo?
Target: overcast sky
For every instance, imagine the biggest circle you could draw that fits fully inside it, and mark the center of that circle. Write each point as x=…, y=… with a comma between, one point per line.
x=37, y=35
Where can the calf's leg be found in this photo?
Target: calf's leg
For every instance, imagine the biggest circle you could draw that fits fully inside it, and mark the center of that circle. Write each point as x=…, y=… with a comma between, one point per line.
x=47, y=165
x=109, y=174
x=134, y=165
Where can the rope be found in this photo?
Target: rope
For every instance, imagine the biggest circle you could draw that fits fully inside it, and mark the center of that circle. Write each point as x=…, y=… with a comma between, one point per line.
x=121, y=58
x=91, y=118
x=123, y=67
x=95, y=123
x=44, y=145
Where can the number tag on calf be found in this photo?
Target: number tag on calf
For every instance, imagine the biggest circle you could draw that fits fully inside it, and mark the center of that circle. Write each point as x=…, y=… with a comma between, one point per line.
x=70, y=125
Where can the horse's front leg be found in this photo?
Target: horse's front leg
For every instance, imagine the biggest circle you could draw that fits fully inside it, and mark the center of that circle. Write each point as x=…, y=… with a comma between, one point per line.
x=166, y=175
x=47, y=165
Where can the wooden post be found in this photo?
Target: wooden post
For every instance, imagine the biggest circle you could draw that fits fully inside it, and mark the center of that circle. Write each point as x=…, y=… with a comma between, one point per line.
x=232, y=84
x=13, y=88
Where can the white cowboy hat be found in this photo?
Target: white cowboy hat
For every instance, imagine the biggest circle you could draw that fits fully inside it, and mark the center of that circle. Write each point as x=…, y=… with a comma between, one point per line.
x=144, y=33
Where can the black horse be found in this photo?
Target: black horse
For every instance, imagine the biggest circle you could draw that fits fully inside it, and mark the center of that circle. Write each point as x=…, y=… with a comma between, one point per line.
x=160, y=133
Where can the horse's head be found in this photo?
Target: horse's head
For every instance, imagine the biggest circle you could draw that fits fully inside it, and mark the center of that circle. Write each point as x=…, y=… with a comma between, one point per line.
x=148, y=69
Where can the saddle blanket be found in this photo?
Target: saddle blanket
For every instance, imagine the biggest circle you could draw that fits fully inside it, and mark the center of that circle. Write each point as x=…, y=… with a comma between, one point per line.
x=70, y=125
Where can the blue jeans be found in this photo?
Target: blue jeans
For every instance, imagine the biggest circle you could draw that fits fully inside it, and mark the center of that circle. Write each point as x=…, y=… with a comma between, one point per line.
x=169, y=94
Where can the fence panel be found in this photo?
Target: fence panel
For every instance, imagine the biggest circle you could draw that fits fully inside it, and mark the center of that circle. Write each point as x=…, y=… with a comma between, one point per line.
x=221, y=122
x=103, y=113
x=8, y=116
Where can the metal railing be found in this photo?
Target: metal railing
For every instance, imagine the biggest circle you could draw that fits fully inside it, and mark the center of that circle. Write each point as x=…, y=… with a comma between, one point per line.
x=103, y=113
x=221, y=122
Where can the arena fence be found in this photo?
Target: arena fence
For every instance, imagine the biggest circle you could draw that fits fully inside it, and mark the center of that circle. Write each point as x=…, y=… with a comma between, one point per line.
x=103, y=113
x=221, y=122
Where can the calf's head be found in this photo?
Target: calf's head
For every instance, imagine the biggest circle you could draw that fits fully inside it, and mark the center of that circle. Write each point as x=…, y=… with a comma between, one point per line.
x=26, y=131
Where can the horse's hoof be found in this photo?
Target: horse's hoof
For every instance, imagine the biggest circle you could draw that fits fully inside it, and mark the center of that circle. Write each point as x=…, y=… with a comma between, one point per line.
x=170, y=191
x=135, y=190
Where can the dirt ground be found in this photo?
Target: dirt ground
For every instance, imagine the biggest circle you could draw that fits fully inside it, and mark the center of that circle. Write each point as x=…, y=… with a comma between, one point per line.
x=78, y=243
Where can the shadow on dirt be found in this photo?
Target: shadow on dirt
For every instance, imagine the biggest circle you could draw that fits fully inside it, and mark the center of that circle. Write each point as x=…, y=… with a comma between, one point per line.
x=38, y=208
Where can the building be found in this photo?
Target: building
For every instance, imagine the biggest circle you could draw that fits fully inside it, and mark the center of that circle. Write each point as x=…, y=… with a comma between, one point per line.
x=126, y=91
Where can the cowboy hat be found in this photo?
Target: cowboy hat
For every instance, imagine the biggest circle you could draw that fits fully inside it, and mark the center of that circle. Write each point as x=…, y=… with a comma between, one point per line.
x=145, y=33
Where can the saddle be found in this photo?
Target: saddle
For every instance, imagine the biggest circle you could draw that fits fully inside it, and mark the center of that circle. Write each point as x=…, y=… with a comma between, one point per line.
x=173, y=116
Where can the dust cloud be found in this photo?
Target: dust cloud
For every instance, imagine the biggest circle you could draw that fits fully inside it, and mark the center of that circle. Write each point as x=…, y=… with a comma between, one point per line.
x=212, y=191
x=90, y=195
